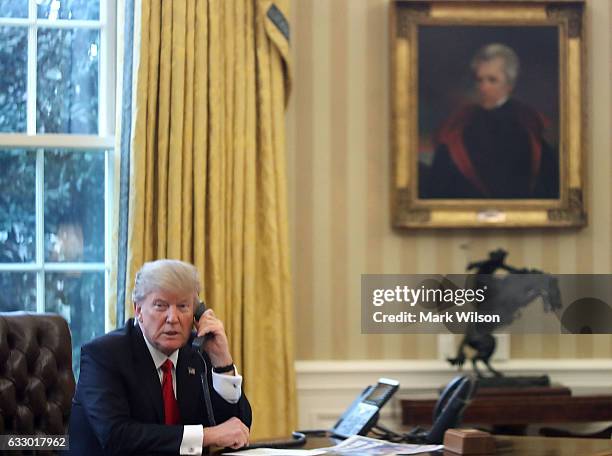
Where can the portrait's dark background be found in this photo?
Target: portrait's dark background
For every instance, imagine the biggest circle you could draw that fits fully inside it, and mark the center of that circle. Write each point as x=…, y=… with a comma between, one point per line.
x=445, y=79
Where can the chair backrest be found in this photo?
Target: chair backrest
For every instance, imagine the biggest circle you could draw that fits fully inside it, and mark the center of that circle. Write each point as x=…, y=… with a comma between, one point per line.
x=36, y=379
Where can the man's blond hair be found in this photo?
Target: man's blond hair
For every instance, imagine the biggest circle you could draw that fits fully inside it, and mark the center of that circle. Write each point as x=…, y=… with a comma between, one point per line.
x=172, y=276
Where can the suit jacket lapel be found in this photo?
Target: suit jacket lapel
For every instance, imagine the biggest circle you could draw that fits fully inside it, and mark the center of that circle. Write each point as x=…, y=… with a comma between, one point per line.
x=188, y=386
x=145, y=369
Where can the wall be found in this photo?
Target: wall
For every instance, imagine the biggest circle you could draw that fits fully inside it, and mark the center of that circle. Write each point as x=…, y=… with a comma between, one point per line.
x=338, y=151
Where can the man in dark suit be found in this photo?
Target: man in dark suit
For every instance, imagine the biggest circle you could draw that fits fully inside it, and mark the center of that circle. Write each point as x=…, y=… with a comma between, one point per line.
x=144, y=390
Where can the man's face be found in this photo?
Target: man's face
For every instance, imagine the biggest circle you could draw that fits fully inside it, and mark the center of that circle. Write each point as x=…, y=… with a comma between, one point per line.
x=492, y=83
x=166, y=319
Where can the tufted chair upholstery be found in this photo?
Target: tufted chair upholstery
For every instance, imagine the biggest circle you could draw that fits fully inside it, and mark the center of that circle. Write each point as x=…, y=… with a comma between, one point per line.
x=36, y=379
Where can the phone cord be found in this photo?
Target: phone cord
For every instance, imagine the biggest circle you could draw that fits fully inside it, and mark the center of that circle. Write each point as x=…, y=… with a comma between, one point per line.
x=206, y=391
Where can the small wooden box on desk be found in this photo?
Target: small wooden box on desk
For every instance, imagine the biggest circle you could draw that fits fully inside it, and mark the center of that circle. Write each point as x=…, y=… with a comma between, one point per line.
x=511, y=410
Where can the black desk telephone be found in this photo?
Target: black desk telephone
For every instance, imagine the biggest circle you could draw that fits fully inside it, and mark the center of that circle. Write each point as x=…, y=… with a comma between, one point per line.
x=362, y=414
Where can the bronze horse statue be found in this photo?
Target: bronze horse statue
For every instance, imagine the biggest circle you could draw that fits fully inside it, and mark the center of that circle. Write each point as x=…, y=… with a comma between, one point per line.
x=508, y=295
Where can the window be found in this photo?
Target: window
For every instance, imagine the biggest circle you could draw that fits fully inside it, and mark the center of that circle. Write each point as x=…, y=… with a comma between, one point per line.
x=57, y=92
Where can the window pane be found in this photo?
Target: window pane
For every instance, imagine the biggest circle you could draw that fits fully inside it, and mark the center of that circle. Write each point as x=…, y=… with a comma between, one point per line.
x=67, y=81
x=68, y=9
x=13, y=78
x=79, y=298
x=18, y=291
x=17, y=206
x=13, y=8
x=74, y=206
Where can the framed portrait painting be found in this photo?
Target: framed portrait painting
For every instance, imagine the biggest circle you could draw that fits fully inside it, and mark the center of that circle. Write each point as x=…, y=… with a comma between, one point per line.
x=488, y=116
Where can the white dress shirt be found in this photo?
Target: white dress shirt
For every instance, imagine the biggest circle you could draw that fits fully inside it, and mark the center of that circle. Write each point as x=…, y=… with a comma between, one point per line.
x=229, y=388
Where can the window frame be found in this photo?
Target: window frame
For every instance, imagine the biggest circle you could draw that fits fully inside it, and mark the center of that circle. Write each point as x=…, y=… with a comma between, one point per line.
x=103, y=142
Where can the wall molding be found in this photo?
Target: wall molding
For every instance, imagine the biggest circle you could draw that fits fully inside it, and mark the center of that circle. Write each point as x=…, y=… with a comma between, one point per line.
x=326, y=388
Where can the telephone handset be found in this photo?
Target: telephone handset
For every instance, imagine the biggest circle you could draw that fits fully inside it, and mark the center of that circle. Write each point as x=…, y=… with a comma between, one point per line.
x=362, y=414
x=448, y=411
x=198, y=342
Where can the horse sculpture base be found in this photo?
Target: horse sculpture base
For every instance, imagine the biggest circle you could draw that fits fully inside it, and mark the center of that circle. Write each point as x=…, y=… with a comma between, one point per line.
x=513, y=382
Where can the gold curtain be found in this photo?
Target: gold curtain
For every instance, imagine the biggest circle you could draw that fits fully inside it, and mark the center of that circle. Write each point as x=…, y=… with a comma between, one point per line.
x=207, y=176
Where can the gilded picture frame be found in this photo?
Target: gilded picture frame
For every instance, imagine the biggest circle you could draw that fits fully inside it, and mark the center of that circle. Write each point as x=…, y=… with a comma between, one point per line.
x=488, y=114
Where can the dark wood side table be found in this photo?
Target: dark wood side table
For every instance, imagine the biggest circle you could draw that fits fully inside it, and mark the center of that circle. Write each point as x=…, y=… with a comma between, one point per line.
x=510, y=411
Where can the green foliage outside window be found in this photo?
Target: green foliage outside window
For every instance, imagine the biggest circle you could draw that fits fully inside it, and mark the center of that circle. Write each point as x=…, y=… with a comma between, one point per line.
x=73, y=190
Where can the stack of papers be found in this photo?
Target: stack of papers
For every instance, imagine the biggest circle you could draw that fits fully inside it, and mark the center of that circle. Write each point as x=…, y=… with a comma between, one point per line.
x=365, y=445
x=353, y=445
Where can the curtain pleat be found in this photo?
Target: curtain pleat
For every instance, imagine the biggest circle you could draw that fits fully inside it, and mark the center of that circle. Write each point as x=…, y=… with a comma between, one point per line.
x=208, y=177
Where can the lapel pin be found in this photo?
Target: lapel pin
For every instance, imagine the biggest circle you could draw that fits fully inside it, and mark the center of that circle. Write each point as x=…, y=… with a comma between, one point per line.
x=191, y=370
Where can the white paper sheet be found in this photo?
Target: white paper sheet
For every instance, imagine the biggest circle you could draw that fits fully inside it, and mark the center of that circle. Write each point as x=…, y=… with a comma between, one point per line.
x=277, y=452
x=353, y=445
x=368, y=446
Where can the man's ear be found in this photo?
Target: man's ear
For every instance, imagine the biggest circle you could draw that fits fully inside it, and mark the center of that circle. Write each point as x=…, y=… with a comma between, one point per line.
x=137, y=311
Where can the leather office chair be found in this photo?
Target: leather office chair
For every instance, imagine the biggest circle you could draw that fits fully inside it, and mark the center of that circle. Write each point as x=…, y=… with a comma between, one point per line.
x=36, y=379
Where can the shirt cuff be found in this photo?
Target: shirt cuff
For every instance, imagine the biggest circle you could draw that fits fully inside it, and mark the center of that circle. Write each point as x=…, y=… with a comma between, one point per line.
x=229, y=387
x=193, y=436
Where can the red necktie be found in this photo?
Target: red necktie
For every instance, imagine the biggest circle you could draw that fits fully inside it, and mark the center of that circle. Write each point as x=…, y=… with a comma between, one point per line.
x=171, y=410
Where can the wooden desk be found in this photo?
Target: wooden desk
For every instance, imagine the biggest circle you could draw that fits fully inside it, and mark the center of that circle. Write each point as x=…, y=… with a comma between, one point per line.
x=521, y=446
x=552, y=446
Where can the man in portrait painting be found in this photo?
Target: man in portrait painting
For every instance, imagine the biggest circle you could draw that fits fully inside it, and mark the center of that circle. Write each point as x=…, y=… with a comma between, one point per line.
x=495, y=148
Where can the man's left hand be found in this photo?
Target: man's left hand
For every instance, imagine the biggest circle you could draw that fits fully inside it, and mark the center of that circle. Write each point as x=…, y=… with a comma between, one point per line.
x=217, y=347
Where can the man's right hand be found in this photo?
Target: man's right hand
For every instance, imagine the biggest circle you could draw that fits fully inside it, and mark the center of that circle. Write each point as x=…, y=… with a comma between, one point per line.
x=231, y=434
